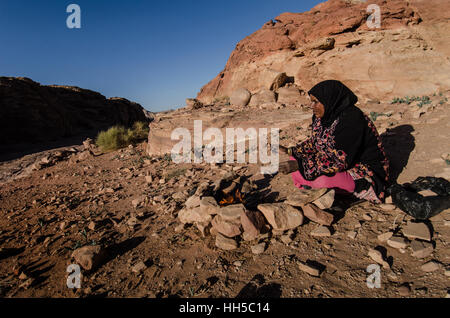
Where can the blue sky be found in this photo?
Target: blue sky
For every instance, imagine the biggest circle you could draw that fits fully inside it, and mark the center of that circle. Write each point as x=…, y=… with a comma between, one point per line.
x=156, y=53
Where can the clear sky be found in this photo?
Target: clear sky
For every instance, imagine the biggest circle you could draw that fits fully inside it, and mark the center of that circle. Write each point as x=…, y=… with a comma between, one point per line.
x=156, y=53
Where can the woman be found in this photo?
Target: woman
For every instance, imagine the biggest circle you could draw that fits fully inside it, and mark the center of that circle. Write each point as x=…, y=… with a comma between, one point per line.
x=344, y=150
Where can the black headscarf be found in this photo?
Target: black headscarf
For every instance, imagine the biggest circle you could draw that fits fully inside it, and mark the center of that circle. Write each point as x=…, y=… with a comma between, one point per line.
x=335, y=97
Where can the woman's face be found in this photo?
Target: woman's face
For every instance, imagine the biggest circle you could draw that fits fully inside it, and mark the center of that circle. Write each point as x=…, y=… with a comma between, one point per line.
x=318, y=108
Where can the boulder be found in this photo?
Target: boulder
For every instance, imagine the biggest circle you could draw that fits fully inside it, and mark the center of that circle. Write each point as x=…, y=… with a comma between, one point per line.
x=193, y=215
x=240, y=97
x=227, y=228
x=289, y=95
x=263, y=96
x=317, y=215
x=225, y=243
x=252, y=223
x=89, y=257
x=281, y=216
x=272, y=80
x=232, y=212
x=209, y=205
x=302, y=197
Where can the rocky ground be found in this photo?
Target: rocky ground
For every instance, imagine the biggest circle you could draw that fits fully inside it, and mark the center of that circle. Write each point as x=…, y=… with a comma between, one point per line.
x=125, y=206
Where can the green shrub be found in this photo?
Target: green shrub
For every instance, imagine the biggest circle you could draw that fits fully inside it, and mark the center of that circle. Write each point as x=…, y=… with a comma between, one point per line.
x=119, y=137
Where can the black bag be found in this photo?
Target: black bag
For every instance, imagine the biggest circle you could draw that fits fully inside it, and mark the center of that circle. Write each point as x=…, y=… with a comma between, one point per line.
x=419, y=207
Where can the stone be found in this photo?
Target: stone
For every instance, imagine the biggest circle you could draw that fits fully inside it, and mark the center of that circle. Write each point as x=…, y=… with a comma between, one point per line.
x=252, y=223
x=378, y=257
x=149, y=179
x=138, y=201
x=89, y=257
x=326, y=201
x=289, y=95
x=430, y=267
x=388, y=200
x=404, y=290
x=225, y=227
x=139, y=267
x=310, y=269
x=193, y=202
x=232, y=212
x=193, y=103
x=417, y=231
x=367, y=217
x=385, y=237
x=352, y=234
x=190, y=216
x=281, y=216
x=317, y=215
x=209, y=205
x=204, y=228
x=388, y=207
x=321, y=231
x=421, y=249
x=302, y=197
x=240, y=97
x=286, y=239
x=264, y=96
x=272, y=80
x=397, y=242
x=258, y=248
x=92, y=226
x=225, y=243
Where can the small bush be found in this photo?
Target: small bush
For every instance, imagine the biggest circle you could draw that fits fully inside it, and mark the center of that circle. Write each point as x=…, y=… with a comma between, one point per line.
x=118, y=137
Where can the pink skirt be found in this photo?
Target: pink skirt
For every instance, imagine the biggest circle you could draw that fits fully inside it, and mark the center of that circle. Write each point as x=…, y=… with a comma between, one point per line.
x=341, y=180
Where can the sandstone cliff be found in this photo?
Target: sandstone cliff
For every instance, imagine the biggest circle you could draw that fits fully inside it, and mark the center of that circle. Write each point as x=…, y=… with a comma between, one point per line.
x=30, y=112
x=408, y=55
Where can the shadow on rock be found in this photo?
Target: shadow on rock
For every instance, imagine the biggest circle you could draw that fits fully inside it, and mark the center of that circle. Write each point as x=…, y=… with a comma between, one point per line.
x=257, y=288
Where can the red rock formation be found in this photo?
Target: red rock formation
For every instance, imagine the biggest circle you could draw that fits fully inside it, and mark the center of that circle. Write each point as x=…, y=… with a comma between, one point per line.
x=408, y=33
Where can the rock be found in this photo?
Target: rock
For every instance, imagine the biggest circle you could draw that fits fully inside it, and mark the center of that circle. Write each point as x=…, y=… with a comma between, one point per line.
x=139, y=267
x=259, y=248
x=352, y=234
x=404, y=290
x=385, y=236
x=232, y=212
x=289, y=95
x=326, y=201
x=193, y=202
x=227, y=228
x=321, y=231
x=397, y=242
x=427, y=193
x=92, y=226
x=179, y=196
x=378, y=257
x=417, y=231
x=89, y=257
x=286, y=239
x=367, y=217
x=252, y=223
x=430, y=267
x=281, y=216
x=388, y=200
x=225, y=243
x=192, y=103
x=190, y=216
x=302, y=197
x=310, y=269
x=138, y=201
x=447, y=273
x=264, y=96
x=317, y=215
x=204, y=228
x=149, y=179
x=272, y=80
x=240, y=97
x=421, y=249
x=209, y=205
x=388, y=207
